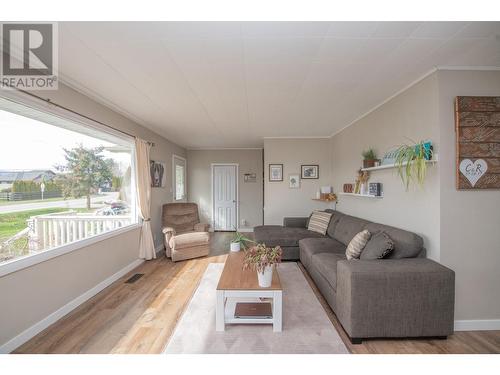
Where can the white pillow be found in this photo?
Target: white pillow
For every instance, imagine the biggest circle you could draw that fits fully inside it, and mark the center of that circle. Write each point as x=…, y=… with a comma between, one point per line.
x=319, y=221
x=357, y=245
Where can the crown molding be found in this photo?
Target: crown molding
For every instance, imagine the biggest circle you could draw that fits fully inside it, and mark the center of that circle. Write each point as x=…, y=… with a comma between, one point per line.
x=421, y=78
x=472, y=68
x=222, y=148
x=300, y=137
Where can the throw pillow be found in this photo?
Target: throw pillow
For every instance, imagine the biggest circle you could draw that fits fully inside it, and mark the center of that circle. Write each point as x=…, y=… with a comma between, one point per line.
x=319, y=221
x=357, y=245
x=378, y=247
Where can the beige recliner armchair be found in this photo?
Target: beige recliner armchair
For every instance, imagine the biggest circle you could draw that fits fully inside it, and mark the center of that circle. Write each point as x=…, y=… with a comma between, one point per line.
x=185, y=236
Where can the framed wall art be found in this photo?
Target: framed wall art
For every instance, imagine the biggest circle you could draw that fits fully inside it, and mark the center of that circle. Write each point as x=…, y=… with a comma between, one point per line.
x=309, y=171
x=275, y=172
x=158, y=174
x=477, y=128
x=294, y=181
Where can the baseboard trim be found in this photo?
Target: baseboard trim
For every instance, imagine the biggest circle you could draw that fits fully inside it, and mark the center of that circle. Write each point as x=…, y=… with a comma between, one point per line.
x=477, y=325
x=36, y=328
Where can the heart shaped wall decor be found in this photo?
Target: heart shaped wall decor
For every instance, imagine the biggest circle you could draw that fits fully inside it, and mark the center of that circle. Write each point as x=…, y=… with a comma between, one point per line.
x=473, y=171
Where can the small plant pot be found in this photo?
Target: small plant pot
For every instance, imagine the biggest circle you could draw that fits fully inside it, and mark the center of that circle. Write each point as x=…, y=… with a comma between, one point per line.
x=265, y=277
x=369, y=163
x=235, y=247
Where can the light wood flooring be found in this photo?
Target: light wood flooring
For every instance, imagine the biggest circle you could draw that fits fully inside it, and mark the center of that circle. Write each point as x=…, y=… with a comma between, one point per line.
x=140, y=317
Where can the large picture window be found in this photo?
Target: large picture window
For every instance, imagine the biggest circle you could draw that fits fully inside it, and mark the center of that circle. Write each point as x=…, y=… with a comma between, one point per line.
x=61, y=181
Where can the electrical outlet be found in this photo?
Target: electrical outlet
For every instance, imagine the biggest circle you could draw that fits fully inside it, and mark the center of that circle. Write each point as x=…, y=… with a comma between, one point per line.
x=243, y=222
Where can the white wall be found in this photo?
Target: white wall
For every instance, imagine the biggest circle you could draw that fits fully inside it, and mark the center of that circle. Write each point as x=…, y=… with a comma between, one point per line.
x=410, y=115
x=281, y=201
x=460, y=228
x=250, y=193
x=30, y=295
x=470, y=219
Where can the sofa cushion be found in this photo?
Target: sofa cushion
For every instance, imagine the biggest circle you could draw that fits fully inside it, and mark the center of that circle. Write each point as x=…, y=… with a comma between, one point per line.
x=406, y=244
x=357, y=244
x=333, y=222
x=311, y=246
x=318, y=222
x=277, y=235
x=326, y=265
x=379, y=246
x=348, y=227
x=190, y=239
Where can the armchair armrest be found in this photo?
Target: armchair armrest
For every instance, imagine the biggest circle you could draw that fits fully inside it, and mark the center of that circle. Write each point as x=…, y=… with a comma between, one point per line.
x=200, y=227
x=395, y=298
x=295, y=222
x=170, y=230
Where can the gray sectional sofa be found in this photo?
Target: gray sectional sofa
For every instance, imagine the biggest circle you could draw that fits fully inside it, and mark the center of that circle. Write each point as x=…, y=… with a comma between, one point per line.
x=403, y=295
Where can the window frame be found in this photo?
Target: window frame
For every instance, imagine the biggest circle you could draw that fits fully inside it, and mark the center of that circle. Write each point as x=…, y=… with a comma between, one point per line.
x=37, y=104
x=174, y=176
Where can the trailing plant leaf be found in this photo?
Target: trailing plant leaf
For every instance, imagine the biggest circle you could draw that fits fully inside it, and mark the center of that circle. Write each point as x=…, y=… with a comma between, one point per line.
x=411, y=163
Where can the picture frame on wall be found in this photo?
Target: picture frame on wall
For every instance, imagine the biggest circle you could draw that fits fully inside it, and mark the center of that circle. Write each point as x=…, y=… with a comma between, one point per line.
x=294, y=181
x=158, y=174
x=275, y=172
x=309, y=171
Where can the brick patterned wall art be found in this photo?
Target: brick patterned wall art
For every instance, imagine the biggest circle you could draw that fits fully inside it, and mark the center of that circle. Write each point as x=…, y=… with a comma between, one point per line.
x=477, y=127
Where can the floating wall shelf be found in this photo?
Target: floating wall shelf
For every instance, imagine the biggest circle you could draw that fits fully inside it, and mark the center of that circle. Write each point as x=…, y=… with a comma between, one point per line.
x=363, y=195
x=389, y=166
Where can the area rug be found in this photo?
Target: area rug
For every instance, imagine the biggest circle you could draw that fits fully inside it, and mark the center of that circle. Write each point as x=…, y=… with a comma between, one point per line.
x=306, y=327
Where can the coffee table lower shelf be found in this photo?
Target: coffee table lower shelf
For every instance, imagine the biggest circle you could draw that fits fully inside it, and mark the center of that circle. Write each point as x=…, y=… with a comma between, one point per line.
x=226, y=304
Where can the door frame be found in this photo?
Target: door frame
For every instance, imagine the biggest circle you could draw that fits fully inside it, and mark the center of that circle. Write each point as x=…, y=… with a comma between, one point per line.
x=212, y=168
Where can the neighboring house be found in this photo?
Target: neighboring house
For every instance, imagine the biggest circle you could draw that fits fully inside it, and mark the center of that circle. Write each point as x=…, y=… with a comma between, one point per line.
x=7, y=177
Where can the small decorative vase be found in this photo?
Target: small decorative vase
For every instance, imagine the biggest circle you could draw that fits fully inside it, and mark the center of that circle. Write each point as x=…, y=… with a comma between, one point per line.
x=265, y=277
x=364, y=188
x=235, y=247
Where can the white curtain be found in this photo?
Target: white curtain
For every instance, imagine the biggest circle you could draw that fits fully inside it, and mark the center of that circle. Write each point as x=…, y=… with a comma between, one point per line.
x=143, y=185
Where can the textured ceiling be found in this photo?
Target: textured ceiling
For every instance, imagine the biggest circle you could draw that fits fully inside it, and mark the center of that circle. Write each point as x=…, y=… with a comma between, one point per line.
x=229, y=84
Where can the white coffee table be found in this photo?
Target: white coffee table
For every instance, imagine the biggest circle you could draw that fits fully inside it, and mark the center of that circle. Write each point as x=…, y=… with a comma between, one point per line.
x=238, y=285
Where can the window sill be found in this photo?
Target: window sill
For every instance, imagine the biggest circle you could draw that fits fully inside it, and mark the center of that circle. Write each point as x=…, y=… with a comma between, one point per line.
x=30, y=260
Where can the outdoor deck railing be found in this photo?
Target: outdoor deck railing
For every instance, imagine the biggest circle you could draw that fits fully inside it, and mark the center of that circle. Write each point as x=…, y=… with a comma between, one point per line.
x=47, y=231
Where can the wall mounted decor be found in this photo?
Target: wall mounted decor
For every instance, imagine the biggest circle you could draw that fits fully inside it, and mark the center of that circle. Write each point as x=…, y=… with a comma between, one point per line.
x=250, y=177
x=275, y=172
x=348, y=188
x=158, y=174
x=309, y=171
x=294, y=181
x=477, y=128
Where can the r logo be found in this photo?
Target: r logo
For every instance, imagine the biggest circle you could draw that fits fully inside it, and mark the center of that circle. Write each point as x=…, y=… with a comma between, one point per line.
x=32, y=44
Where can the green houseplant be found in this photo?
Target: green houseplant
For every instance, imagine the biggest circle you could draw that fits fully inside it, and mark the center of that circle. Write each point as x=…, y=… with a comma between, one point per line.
x=410, y=161
x=263, y=259
x=239, y=241
x=369, y=158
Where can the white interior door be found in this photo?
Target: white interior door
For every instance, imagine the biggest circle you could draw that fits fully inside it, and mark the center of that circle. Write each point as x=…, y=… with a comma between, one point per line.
x=225, y=197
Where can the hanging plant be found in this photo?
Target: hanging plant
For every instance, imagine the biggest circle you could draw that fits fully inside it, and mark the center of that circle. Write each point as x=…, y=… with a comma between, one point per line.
x=410, y=161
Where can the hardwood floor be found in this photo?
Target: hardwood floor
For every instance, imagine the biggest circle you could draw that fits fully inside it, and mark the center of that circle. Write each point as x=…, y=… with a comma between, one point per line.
x=140, y=317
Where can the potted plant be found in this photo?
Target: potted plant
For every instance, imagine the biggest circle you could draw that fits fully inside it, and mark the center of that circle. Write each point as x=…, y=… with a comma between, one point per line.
x=410, y=161
x=369, y=158
x=239, y=241
x=263, y=259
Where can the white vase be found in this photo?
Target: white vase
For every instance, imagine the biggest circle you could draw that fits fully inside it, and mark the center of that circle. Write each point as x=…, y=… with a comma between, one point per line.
x=266, y=277
x=235, y=247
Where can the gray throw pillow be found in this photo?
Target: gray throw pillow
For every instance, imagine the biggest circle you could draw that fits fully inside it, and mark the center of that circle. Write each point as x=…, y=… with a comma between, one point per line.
x=379, y=246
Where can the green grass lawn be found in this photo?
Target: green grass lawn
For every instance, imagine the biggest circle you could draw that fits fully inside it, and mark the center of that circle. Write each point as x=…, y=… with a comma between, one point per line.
x=14, y=222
